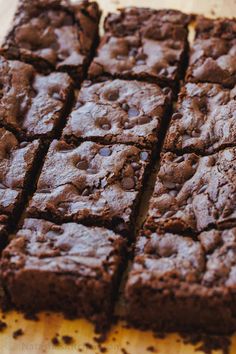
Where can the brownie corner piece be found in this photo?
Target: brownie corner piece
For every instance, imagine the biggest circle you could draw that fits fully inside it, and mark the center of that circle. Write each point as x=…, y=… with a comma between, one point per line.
x=69, y=268
x=174, y=275
x=17, y=165
x=54, y=35
x=193, y=193
x=119, y=111
x=91, y=183
x=203, y=121
x=32, y=105
x=142, y=44
x=212, y=56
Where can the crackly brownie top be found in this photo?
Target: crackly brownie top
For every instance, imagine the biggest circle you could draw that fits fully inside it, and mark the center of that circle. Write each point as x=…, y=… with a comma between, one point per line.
x=194, y=193
x=69, y=248
x=89, y=182
x=31, y=104
x=131, y=20
x=118, y=111
x=168, y=258
x=142, y=43
x=212, y=57
x=204, y=120
x=57, y=32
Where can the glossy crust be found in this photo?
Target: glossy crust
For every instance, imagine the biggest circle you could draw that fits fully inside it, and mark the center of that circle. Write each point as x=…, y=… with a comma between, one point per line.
x=70, y=268
x=204, y=120
x=174, y=275
x=54, y=35
x=194, y=193
x=32, y=105
x=143, y=44
x=119, y=111
x=212, y=56
x=17, y=163
x=92, y=183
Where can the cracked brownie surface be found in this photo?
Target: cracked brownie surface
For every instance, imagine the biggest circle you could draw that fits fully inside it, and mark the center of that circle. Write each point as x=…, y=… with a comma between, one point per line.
x=16, y=165
x=90, y=183
x=119, y=111
x=144, y=44
x=69, y=261
x=193, y=193
x=31, y=105
x=212, y=56
x=172, y=273
x=204, y=120
x=54, y=35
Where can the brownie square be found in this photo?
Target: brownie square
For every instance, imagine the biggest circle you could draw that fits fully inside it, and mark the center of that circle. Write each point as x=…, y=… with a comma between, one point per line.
x=17, y=162
x=32, y=105
x=193, y=193
x=177, y=283
x=204, y=120
x=119, y=111
x=92, y=183
x=70, y=268
x=143, y=44
x=212, y=56
x=54, y=35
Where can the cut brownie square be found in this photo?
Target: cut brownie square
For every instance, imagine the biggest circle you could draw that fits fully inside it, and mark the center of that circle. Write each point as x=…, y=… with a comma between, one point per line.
x=204, y=120
x=17, y=162
x=177, y=283
x=143, y=44
x=54, y=35
x=212, y=57
x=70, y=268
x=193, y=193
x=32, y=105
x=92, y=183
x=119, y=111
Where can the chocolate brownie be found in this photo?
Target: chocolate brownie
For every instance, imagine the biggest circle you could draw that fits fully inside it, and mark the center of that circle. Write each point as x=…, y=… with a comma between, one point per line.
x=32, y=105
x=193, y=193
x=70, y=268
x=54, y=35
x=119, y=111
x=92, y=183
x=177, y=283
x=212, y=56
x=17, y=162
x=204, y=120
x=143, y=44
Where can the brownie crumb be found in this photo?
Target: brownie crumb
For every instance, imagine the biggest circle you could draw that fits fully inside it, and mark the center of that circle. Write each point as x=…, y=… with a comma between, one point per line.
x=3, y=326
x=55, y=341
x=124, y=351
x=67, y=339
x=151, y=349
x=102, y=349
x=88, y=345
x=208, y=344
x=19, y=332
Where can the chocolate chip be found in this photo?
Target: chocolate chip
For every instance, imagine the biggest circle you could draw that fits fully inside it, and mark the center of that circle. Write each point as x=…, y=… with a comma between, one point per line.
x=144, y=155
x=106, y=126
x=125, y=106
x=105, y=151
x=133, y=112
x=82, y=165
x=128, y=183
x=177, y=116
x=113, y=96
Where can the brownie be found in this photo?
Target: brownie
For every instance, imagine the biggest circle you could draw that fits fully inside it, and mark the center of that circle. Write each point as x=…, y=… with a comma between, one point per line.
x=92, y=183
x=193, y=193
x=70, y=268
x=178, y=283
x=17, y=163
x=54, y=35
x=204, y=120
x=143, y=44
x=32, y=105
x=119, y=112
x=212, y=56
